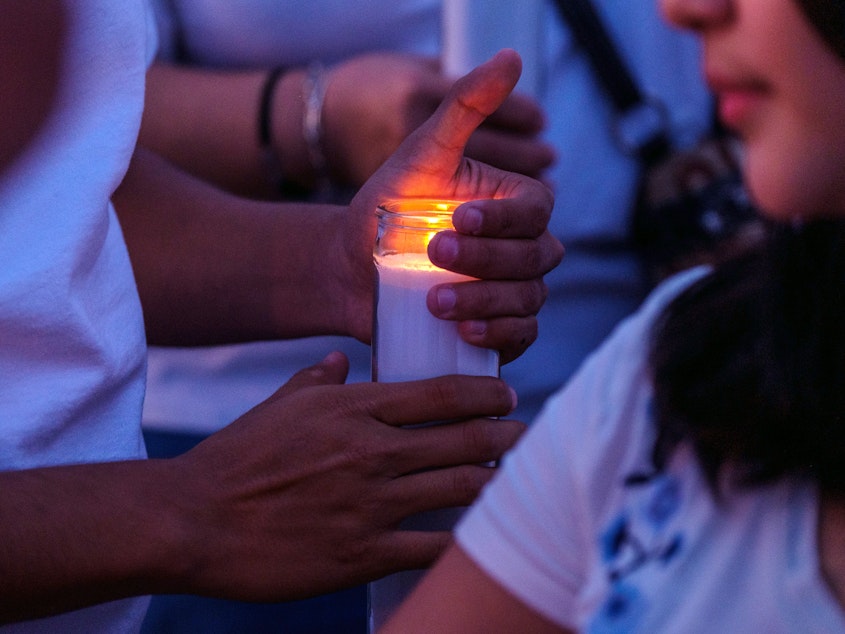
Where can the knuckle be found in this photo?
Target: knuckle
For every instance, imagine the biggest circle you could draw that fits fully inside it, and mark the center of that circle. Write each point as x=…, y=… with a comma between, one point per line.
x=486, y=298
x=532, y=296
x=480, y=442
x=509, y=219
x=533, y=260
x=368, y=457
x=444, y=393
x=351, y=551
x=467, y=482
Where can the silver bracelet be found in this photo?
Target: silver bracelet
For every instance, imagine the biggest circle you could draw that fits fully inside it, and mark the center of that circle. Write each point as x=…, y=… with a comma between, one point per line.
x=312, y=118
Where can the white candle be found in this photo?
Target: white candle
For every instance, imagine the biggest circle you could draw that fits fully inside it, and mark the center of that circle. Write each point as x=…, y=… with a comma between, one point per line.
x=410, y=343
x=474, y=30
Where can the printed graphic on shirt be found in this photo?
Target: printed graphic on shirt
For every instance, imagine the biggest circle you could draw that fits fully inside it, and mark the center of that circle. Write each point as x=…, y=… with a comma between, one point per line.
x=641, y=537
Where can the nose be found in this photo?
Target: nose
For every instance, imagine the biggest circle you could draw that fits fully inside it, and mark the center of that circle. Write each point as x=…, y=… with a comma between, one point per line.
x=696, y=14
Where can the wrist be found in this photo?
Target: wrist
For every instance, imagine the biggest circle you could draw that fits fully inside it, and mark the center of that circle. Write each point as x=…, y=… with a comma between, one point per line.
x=314, y=94
x=294, y=130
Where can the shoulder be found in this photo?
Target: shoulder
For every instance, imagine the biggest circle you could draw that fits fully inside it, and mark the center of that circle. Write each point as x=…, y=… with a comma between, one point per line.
x=600, y=422
x=535, y=527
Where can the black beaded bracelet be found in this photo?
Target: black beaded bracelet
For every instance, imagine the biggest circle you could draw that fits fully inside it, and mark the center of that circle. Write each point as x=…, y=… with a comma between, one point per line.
x=272, y=162
x=265, y=131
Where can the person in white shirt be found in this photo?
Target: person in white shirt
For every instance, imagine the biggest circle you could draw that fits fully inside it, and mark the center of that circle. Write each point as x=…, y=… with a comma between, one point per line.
x=689, y=478
x=105, y=246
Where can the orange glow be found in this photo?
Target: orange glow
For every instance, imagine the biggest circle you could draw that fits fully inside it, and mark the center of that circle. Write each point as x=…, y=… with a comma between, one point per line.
x=408, y=225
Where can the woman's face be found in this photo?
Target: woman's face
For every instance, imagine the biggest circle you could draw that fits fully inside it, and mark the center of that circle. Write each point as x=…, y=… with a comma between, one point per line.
x=783, y=91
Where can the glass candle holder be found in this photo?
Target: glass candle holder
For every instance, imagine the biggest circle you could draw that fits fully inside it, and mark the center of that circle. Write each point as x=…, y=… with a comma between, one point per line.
x=410, y=343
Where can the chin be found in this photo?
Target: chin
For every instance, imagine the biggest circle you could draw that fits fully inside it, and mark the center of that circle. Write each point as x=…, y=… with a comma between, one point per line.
x=779, y=195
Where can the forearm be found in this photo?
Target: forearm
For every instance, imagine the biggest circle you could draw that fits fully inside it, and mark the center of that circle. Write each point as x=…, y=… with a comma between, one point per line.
x=79, y=535
x=207, y=123
x=215, y=268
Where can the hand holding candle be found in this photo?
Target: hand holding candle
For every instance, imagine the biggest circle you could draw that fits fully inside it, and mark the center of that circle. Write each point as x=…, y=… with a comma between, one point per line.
x=501, y=237
x=409, y=343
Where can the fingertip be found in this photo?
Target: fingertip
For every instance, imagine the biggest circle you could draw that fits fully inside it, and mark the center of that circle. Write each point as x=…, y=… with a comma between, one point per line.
x=514, y=398
x=510, y=56
x=443, y=249
x=511, y=63
x=441, y=300
x=334, y=362
x=468, y=219
x=334, y=357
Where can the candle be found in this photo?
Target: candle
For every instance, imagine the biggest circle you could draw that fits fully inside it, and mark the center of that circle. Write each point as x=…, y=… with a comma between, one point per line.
x=410, y=343
x=474, y=30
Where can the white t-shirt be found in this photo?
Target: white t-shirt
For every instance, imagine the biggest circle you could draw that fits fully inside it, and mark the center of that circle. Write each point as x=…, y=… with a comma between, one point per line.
x=72, y=347
x=566, y=530
x=264, y=33
x=594, y=182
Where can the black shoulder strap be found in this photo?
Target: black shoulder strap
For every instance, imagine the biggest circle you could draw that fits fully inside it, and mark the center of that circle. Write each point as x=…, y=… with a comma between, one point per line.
x=650, y=142
x=180, y=50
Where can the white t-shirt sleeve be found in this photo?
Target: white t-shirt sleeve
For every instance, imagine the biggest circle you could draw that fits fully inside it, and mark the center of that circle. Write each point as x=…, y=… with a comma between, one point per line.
x=534, y=528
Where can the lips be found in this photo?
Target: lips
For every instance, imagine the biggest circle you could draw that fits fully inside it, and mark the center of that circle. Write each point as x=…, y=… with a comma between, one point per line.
x=738, y=99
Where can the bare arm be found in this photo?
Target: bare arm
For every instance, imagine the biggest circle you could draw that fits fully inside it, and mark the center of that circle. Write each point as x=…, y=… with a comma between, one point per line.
x=238, y=269
x=458, y=597
x=258, y=511
x=206, y=121
x=212, y=267
x=301, y=495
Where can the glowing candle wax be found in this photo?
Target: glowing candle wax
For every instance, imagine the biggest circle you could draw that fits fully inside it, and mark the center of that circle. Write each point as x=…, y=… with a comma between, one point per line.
x=410, y=343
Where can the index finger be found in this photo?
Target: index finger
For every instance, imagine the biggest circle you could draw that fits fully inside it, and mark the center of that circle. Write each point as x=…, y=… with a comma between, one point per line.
x=524, y=216
x=441, y=398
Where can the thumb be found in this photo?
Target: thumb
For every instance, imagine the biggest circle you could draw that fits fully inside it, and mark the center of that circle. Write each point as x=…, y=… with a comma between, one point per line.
x=428, y=162
x=428, y=159
x=473, y=98
x=330, y=371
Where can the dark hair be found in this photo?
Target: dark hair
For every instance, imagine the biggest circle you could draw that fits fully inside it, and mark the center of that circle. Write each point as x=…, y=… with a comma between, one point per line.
x=828, y=18
x=748, y=363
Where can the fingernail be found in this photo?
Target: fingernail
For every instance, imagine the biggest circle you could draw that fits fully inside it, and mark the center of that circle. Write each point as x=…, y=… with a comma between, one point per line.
x=446, y=299
x=468, y=220
x=445, y=249
x=514, y=398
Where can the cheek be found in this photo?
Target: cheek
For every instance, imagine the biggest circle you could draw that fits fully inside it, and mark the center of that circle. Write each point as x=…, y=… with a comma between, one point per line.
x=795, y=161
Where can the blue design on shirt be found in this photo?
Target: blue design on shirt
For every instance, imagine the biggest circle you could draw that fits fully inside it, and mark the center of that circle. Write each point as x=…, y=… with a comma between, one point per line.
x=664, y=502
x=640, y=537
x=621, y=612
x=613, y=539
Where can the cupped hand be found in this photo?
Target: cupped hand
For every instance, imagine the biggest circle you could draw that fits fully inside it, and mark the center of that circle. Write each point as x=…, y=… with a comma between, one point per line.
x=303, y=494
x=500, y=237
x=374, y=101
